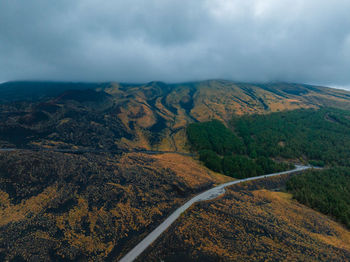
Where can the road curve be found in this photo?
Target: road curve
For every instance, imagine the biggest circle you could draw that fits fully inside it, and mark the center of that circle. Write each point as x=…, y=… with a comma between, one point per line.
x=206, y=195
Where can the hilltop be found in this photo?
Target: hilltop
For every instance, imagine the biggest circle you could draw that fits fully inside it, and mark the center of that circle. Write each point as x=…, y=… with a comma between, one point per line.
x=144, y=116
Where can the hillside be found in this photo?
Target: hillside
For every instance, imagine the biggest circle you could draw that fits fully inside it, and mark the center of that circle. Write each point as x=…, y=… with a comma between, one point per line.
x=149, y=116
x=56, y=206
x=88, y=179
x=252, y=222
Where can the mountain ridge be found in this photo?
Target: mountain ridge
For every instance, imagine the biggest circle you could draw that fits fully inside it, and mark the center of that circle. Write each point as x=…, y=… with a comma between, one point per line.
x=151, y=116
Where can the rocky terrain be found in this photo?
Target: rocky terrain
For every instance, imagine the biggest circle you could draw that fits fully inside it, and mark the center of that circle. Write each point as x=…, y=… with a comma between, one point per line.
x=252, y=222
x=57, y=206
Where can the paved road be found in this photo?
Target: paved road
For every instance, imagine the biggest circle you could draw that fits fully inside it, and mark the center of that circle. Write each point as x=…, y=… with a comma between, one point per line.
x=207, y=195
x=7, y=149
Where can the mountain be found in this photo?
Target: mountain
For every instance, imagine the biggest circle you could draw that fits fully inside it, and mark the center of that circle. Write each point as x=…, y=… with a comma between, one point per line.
x=149, y=116
x=95, y=167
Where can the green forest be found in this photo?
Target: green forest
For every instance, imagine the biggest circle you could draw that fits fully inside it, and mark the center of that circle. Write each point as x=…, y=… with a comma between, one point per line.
x=222, y=151
x=327, y=191
x=320, y=137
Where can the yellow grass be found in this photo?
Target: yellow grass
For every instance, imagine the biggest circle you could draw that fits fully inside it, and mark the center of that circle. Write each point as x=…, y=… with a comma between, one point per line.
x=13, y=213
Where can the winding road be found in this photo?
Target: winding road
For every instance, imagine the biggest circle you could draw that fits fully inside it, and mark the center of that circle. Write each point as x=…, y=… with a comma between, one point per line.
x=207, y=195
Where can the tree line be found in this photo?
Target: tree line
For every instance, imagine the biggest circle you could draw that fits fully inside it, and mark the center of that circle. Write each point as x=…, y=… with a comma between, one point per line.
x=248, y=144
x=327, y=191
x=321, y=136
x=223, y=151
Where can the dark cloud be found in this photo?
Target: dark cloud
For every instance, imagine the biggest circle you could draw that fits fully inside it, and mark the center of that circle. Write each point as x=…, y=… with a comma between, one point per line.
x=137, y=40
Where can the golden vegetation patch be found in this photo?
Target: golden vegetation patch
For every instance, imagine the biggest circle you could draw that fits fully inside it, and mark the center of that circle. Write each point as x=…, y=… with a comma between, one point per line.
x=253, y=225
x=90, y=206
x=195, y=174
x=86, y=239
x=34, y=205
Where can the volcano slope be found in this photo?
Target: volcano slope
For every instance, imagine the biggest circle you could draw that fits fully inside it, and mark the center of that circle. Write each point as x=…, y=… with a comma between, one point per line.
x=251, y=222
x=62, y=206
x=57, y=206
x=144, y=116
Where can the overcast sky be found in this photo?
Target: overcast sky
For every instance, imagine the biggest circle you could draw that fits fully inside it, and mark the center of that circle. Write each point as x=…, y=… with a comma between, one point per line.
x=173, y=41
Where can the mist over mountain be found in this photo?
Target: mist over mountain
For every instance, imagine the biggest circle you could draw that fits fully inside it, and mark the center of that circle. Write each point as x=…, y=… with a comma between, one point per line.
x=176, y=41
x=213, y=130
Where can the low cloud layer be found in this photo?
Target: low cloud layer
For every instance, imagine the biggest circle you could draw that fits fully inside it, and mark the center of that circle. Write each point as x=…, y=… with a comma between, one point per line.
x=174, y=41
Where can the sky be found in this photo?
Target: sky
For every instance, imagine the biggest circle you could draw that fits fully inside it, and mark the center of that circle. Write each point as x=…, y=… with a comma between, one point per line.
x=305, y=41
